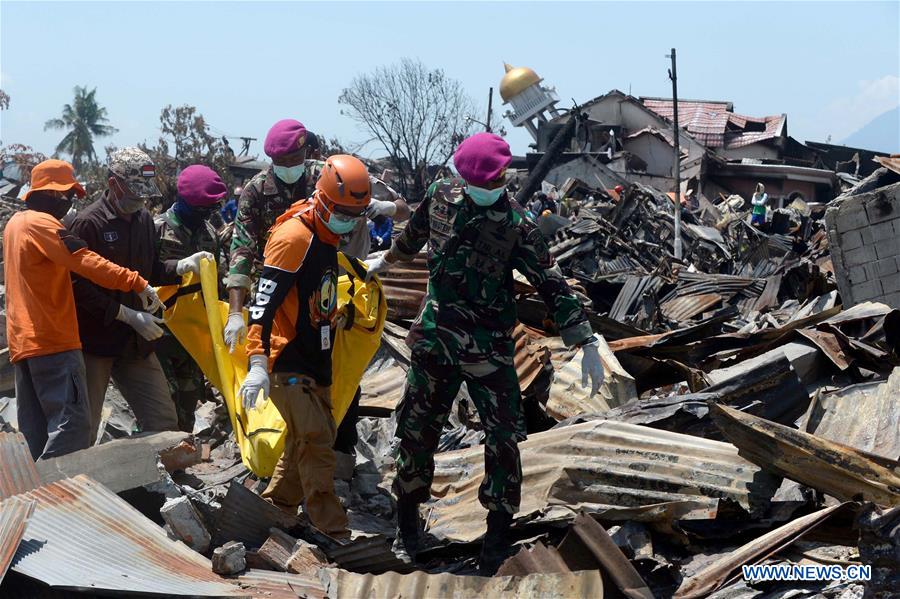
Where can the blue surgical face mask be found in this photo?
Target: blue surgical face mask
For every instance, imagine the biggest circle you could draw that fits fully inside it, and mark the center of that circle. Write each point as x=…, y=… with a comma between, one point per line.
x=289, y=174
x=484, y=197
x=338, y=223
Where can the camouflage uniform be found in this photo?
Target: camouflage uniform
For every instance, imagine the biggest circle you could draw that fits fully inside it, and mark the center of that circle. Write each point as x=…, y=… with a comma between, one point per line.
x=464, y=333
x=264, y=199
x=184, y=377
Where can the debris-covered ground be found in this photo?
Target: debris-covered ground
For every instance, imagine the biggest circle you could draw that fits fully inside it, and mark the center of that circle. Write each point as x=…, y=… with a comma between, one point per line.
x=748, y=417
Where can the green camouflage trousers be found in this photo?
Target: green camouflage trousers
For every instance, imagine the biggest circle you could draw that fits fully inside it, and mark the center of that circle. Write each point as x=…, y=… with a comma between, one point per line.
x=184, y=377
x=427, y=400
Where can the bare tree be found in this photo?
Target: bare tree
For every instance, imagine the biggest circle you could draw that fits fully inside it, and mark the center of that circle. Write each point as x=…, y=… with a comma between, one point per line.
x=417, y=115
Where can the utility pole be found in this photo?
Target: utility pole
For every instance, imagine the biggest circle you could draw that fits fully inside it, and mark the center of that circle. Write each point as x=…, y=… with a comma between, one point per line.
x=674, y=77
x=487, y=125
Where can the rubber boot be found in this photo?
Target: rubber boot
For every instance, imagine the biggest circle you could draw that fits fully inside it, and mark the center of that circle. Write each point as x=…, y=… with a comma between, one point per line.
x=495, y=548
x=406, y=545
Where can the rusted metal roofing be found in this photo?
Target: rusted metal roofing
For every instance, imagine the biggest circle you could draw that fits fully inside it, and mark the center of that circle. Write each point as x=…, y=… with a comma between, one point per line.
x=838, y=470
x=568, y=398
x=864, y=416
x=265, y=584
x=83, y=536
x=538, y=559
x=382, y=389
x=892, y=163
x=17, y=471
x=14, y=514
x=450, y=586
x=404, y=287
x=588, y=538
x=604, y=466
x=718, y=573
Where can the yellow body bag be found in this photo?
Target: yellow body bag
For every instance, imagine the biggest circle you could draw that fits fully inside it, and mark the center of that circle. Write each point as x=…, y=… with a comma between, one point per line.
x=197, y=318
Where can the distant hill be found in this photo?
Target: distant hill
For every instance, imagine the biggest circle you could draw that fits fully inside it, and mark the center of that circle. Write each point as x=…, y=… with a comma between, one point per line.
x=882, y=134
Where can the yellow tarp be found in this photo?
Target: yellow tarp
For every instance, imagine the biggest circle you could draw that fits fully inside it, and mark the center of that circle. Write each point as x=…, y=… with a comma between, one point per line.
x=197, y=318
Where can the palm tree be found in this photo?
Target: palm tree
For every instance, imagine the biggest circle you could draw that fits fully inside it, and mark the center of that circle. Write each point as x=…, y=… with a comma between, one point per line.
x=83, y=119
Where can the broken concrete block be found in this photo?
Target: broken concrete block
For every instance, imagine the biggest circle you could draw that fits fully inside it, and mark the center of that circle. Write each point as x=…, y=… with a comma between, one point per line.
x=284, y=553
x=125, y=464
x=365, y=483
x=185, y=523
x=344, y=464
x=230, y=558
x=205, y=418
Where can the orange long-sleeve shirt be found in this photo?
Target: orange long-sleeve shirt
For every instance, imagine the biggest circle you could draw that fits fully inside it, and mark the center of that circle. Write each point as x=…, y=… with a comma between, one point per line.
x=39, y=254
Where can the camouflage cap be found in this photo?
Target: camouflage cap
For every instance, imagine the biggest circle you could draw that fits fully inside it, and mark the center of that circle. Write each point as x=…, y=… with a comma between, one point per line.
x=134, y=166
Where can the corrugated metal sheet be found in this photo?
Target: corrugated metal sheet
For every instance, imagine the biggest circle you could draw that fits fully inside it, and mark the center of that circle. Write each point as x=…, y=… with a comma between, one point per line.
x=14, y=514
x=687, y=307
x=865, y=416
x=568, y=398
x=599, y=465
x=717, y=574
x=83, y=536
x=367, y=555
x=838, y=470
x=382, y=389
x=247, y=517
x=536, y=560
x=404, y=287
x=449, y=586
x=17, y=471
x=892, y=163
x=265, y=584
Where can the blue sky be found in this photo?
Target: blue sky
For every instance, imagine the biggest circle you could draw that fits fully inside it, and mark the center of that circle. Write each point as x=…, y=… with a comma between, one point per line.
x=832, y=67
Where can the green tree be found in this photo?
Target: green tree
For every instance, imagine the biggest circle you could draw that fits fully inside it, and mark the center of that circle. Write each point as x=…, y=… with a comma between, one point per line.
x=83, y=119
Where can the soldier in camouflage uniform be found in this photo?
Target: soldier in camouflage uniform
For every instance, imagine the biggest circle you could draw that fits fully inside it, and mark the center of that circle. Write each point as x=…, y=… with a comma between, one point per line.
x=183, y=230
x=476, y=236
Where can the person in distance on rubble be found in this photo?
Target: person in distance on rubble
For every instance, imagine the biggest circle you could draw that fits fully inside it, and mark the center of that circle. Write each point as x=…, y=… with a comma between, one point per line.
x=476, y=236
x=117, y=332
x=182, y=231
x=39, y=255
x=292, y=330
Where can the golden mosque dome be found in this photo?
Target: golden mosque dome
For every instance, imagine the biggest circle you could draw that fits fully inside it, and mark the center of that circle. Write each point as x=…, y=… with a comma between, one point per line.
x=516, y=80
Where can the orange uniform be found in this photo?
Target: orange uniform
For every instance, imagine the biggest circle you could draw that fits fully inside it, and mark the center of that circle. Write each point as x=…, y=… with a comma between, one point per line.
x=39, y=254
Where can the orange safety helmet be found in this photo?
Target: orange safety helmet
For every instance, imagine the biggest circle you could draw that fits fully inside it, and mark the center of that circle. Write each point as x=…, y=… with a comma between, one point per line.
x=345, y=181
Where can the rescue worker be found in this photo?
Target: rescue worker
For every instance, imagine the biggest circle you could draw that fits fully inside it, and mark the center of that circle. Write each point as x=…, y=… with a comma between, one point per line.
x=268, y=195
x=39, y=255
x=292, y=329
x=183, y=230
x=476, y=236
x=117, y=333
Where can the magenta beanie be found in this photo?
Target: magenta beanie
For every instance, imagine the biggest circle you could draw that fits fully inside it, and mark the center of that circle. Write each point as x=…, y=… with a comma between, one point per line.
x=481, y=158
x=285, y=137
x=199, y=185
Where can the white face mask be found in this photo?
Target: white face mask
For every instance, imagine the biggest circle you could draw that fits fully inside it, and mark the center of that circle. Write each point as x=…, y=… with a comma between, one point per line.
x=289, y=174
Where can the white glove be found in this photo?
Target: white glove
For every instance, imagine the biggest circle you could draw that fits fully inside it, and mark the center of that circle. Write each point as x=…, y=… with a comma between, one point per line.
x=257, y=380
x=591, y=366
x=150, y=300
x=192, y=263
x=376, y=266
x=235, y=330
x=146, y=325
x=381, y=208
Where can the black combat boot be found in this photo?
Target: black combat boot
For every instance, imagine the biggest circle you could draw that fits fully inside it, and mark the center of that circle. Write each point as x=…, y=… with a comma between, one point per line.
x=496, y=545
x=406, y=544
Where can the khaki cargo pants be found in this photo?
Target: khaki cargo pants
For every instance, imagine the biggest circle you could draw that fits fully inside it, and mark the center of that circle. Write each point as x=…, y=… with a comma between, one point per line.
x=306, y=468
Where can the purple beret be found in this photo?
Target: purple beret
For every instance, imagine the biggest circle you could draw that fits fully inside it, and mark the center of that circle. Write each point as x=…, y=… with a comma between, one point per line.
x=199, y=185
x=285, y=137
x=481, y=158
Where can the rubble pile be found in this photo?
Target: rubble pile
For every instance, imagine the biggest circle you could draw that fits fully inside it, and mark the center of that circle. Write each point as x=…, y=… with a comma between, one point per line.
x=748, y=417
